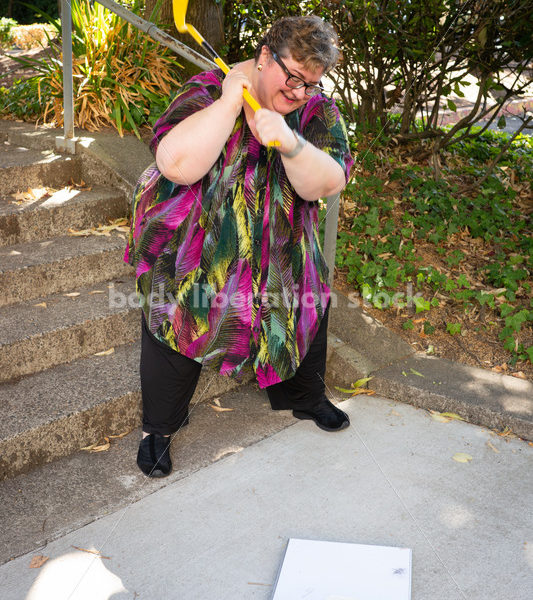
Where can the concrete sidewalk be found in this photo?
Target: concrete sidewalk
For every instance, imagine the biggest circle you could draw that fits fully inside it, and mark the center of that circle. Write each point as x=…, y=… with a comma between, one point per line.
x=389, y=479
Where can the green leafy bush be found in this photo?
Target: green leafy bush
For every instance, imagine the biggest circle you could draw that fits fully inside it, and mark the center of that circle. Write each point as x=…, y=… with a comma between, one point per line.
x=427, y=244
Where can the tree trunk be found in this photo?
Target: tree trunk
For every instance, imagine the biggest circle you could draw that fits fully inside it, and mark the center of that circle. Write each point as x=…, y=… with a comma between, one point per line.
x=205, y=15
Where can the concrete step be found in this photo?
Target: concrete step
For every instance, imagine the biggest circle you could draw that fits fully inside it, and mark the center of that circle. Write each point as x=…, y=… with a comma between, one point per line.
x=28, y=135
x=34, y=337
x=60, y=264
x=54, y=214
x=58, y=411
x=61, y=496
x=21, y=168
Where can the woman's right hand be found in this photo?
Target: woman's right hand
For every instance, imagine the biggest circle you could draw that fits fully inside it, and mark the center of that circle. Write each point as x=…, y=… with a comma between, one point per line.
x=232, y=89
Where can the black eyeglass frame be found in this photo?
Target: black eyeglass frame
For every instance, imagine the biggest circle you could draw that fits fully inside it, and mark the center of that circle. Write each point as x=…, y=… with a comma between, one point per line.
x=301, y=83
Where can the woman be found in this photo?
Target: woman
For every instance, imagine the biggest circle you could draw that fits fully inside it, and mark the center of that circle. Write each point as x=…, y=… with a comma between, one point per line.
x=224, y=235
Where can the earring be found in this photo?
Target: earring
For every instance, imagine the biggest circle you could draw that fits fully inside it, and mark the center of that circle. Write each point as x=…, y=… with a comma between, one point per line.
x=259, y=67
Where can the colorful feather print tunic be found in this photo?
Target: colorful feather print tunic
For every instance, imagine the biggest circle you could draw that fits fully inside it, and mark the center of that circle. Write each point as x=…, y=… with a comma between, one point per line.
x=229, y=270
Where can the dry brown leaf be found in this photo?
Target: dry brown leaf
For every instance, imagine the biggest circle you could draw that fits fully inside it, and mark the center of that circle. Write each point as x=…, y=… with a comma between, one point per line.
x=216, y=401
x=97, y=292
x=72, y=294
x=14, y=253
x=120, y=224
x=97, y=552
x=358, y=391
x=105, y=352
x=507, y=432
x=97, y=447
x=19, y=196
x=43, y=304
x=38, y=561
x=79, y=232
x=119, y=435
x=492, y=447
x=519, y=374
x=220, y=408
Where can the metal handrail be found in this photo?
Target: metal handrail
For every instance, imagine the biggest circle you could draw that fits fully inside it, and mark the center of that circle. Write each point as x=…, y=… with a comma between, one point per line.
x=66, y=143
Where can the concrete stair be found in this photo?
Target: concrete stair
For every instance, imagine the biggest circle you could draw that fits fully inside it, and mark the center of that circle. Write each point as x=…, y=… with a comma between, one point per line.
x=55, y=309
x=59, y=264
x=65, y=300
x=57, y=329
x=68, y=208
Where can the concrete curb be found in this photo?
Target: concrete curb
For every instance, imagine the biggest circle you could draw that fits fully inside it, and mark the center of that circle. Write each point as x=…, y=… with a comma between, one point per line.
x=479, y=396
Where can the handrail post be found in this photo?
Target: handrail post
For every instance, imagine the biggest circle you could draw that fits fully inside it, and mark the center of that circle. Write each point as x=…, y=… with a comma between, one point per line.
x=67, y=143
x=330, y=235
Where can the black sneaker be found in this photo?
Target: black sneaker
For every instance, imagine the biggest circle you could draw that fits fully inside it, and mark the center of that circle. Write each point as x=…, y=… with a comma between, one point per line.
x=326, y=415
x=153, y=457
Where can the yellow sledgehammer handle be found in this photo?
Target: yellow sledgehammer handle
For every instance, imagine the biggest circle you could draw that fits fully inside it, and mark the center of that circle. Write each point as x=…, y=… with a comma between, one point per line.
x=180, y=10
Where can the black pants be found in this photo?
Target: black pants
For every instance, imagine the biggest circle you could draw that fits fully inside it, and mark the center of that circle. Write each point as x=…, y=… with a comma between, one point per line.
x=169, y=379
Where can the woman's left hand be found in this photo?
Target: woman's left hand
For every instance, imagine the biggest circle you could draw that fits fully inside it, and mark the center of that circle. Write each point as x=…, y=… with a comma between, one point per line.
x=271, y=126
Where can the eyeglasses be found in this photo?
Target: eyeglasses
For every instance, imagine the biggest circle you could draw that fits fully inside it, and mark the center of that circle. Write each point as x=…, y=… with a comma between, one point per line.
x=295, y=82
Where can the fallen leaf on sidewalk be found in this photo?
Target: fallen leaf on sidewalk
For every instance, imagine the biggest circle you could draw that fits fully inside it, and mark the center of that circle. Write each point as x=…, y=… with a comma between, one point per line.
x=98, y=447
x=38, y=561
x=492, y=447
x=97, y=292
x=507, y=432
x=14, y=253
x=116, y=225
x=81, y=185
x=362, y=391
x=97, y=552
x=220, y=408
x=42, y=304
x=519, y=374
x=451, y=415
x=216, y=401
x=105, y=352
x=19, y=196
x=119, y=435
x=357, y=387
x=462, y=457
x=416, y=373
x=439, y=417
x=31, y=195
x=72, y=294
